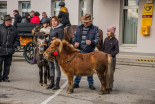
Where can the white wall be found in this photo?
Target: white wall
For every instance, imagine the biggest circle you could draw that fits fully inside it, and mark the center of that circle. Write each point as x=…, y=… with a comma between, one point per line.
x=107, y=13
x=73, y=8
x=41, y=6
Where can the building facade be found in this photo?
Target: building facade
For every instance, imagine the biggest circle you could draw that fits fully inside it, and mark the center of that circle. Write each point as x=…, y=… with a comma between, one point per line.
x=125, y=14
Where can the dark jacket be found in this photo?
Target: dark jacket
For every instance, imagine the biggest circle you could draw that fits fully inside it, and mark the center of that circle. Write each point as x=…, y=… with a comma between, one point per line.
x=17, y=19
x=9, y=39
x=57, y=32
x=64, y=18
x=92, y=35
x=111, y=46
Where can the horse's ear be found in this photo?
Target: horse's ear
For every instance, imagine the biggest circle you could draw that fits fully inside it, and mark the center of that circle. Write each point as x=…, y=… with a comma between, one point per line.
x=54, y=38
x=59, y=45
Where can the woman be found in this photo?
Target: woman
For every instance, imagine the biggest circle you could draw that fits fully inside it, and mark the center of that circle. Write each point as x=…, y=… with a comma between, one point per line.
x=57, y=31
x=35, y=18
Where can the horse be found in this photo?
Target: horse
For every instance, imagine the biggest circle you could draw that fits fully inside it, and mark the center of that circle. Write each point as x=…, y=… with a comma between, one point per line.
x=69, y=31
x=73, y=63
x=41, y=62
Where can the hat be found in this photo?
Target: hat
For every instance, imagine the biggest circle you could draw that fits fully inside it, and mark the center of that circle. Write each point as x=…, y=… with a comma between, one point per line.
x=86, y=18
x=7, y=17
x=112, y=29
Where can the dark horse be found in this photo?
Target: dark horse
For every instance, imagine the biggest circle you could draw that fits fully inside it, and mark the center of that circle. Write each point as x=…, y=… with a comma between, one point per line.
x=41, y=62
x=69, y=31
x=73, y=63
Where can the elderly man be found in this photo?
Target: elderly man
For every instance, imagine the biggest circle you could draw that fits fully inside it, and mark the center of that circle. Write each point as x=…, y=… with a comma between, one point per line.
x=44, y=18
x=85, y=39
x=9, y=40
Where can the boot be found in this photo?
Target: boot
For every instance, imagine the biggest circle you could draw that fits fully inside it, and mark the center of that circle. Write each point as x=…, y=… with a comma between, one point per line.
x=51, y=85
x=56, y=87
x=34, y=61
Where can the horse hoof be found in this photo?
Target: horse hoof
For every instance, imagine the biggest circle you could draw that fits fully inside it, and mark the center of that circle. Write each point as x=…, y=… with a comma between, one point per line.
x=102, y=92
x=41, y=84
x=45, y=85
x=70, y=91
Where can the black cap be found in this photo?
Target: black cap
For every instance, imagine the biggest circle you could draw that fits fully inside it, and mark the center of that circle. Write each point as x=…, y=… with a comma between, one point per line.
x=62, y=4
x=7, y=17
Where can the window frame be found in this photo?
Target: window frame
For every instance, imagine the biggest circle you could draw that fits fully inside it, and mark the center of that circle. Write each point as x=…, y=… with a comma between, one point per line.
x=122, y=18
x=24, y=10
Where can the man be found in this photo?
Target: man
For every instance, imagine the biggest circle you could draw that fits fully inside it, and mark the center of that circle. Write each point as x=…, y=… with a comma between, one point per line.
x=44, y=18
x=9, y=40
x=17, y=19
x=85, y=39
x=63, y=14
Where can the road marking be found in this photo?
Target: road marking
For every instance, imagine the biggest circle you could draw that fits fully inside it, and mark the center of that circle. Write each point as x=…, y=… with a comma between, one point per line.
x=56, y=93
x=152, y=89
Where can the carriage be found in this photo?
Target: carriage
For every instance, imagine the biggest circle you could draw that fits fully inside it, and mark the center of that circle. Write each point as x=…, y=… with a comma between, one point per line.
x=26, y=40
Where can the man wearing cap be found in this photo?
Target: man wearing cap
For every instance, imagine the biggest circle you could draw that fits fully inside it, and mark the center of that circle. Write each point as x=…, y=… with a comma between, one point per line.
x=85, y=39
x=9, y=40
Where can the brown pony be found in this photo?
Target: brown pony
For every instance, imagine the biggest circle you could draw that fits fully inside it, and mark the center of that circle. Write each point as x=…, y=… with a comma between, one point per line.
x=69, y=31
x=73, y=63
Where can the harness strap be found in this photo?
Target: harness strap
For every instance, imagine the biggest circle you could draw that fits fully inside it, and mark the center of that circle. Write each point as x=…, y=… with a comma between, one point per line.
x=72, y=57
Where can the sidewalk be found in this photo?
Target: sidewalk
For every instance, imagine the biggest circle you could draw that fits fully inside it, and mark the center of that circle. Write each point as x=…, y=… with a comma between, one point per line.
x=136, y=59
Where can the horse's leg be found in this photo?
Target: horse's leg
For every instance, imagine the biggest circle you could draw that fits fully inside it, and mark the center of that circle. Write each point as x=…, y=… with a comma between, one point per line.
x=45, y=75
x=102, y=78
x=41, y=75
x=70, y=83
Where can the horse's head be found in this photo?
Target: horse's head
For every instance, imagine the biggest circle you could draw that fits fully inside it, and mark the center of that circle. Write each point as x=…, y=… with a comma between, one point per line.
x=54, y=49
x=41, y=39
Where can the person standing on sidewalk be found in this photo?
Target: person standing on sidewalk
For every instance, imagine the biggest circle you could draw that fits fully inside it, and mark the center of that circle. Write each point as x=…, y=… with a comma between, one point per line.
x=56, y=31
x=85, y=39
x=111, y=45
x=9, y=40
x=18, y=18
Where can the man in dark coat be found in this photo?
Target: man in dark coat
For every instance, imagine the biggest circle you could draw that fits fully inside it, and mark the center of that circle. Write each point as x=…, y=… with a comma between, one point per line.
x=9, y=40
x=17, y=19
x=64, y=15
x=85, y=39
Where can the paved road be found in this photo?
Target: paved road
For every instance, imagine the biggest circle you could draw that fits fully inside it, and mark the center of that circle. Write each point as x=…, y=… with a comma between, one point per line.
x=132, y=85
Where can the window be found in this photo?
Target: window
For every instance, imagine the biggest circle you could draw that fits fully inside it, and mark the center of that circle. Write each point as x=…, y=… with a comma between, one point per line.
x=3, y=10
x=130, y=21
x=83, y=8
x=56, y=8
x=25, y=7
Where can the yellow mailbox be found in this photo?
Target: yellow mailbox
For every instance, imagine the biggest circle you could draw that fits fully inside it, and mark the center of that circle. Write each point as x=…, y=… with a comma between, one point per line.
x=145, y=30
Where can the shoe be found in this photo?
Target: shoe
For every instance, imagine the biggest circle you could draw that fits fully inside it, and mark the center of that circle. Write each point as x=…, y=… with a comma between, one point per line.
x=92, y=87
x=56, y=87
x=51, y=85
x=6, y=80
x=76, y=85
x=34, y=61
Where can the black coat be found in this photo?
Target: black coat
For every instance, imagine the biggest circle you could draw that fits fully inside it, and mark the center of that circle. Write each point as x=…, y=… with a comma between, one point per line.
x=17, y=19
x=111, y=46
x=64, y=18
x=57, y=32
x=9, y=39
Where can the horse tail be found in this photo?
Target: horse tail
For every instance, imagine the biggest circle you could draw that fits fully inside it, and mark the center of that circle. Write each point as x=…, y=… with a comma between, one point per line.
x=109, y=73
